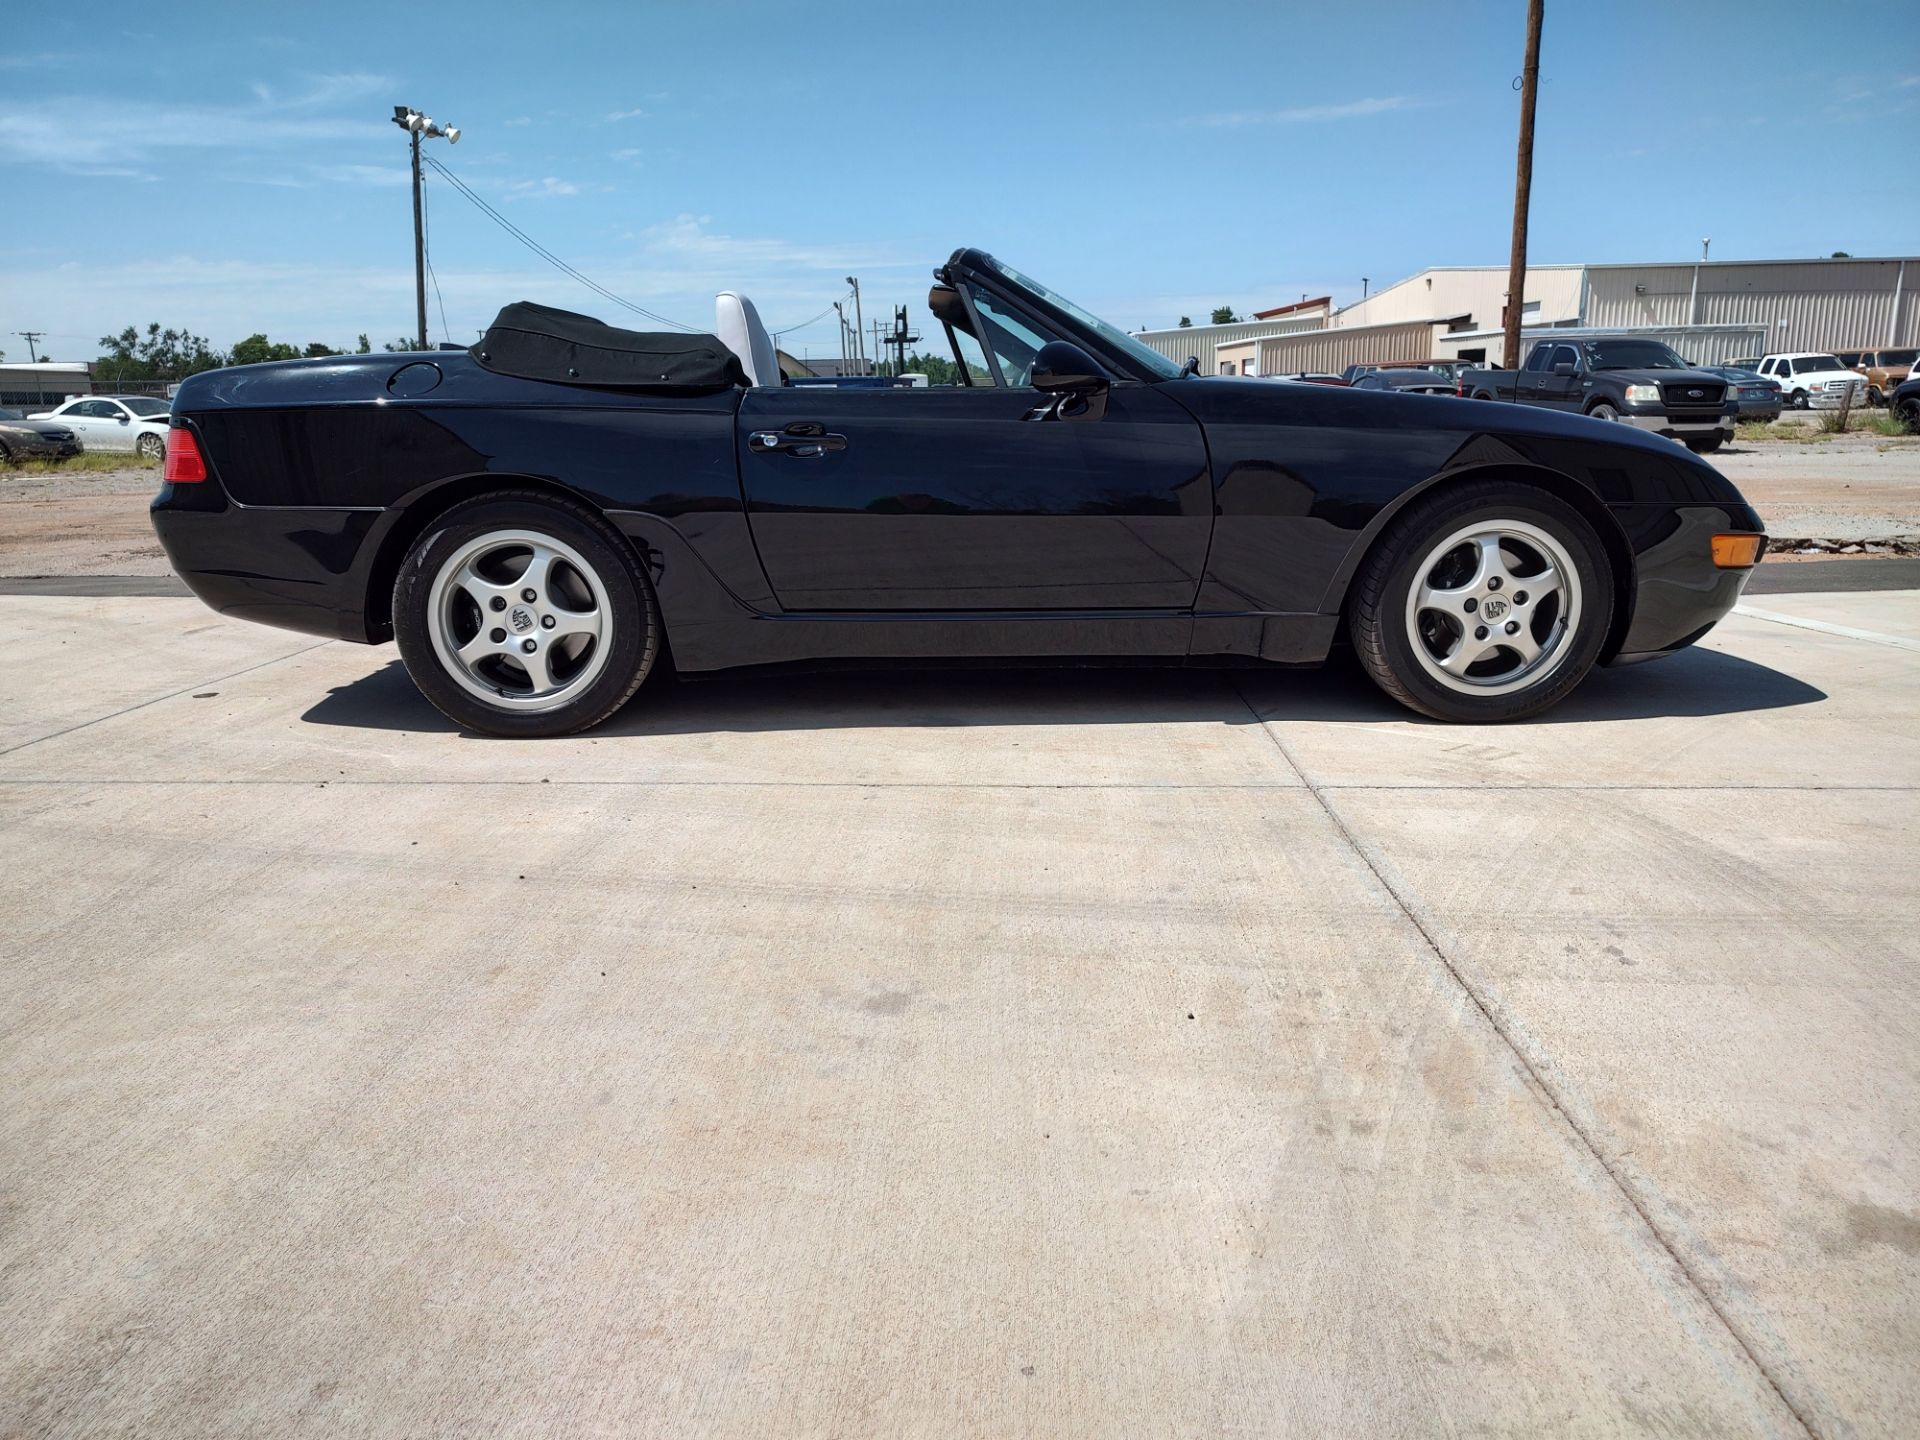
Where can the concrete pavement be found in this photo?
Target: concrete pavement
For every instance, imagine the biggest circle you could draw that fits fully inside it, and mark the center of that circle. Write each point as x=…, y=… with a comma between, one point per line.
x=1056, y=1054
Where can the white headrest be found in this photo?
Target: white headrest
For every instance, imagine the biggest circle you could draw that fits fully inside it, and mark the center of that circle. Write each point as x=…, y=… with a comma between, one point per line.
x=738, y=325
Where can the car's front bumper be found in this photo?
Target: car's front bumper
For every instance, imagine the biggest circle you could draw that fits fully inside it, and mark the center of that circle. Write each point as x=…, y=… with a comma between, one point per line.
x=1681, y=429
x=1679, y=593
x=43, y=449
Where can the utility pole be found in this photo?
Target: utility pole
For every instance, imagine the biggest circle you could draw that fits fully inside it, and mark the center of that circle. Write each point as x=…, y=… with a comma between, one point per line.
x=30, y=336
x=1523, y=188
x=859, y=325
x=420, y=127
x=900, y=339
x=841, y=316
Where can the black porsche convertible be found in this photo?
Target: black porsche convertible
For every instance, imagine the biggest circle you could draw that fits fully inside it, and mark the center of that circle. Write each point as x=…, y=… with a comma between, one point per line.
x=544, y=520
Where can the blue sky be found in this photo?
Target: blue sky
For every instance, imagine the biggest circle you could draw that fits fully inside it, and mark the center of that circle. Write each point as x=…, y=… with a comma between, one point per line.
x=232, y=168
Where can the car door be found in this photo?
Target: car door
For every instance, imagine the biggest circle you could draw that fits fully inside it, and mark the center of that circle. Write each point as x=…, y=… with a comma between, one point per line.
x=93, y=422
x=963, y=498
x=1562, y=391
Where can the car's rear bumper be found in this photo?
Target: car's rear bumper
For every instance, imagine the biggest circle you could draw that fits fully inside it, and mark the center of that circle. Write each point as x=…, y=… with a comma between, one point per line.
x=298, y=569
x=1679, y=593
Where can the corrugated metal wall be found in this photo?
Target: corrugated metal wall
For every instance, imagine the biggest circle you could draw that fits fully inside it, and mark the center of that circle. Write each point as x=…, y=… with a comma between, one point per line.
x=1803, y=305
x=1702, y=344
x=1334, y=350
x=1199, y=340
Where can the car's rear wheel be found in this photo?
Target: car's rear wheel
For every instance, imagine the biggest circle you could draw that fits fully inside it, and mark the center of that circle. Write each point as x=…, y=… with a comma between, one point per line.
x=1483, y=603
x=523, y=615
x=151, y=447
x=1704, y=446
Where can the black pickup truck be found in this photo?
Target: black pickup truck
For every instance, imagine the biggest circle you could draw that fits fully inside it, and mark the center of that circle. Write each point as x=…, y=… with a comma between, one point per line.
x=1618, y=377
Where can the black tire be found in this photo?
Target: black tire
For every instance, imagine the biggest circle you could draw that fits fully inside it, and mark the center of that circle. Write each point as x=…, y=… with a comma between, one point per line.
x=1909, y=413
x=1384, y=629
x=629, y=609
x=1603, y=410
x=150, y=447
x=1797, y=400
x=1705, y=446
x=1874, y=398
x=6, y=455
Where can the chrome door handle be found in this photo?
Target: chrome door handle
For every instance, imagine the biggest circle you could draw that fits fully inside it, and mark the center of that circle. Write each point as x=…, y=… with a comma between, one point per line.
x=804, y=440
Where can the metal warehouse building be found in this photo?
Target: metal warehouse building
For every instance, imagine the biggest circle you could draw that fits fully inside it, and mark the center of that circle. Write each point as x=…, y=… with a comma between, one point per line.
x=1709, y=311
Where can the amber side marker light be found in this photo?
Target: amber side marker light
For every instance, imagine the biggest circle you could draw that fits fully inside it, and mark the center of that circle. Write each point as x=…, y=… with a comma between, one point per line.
x=185, y=466
x=1737, y=552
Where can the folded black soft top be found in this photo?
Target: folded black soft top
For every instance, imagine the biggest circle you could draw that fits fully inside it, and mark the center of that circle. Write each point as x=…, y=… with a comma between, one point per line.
x=537, y=342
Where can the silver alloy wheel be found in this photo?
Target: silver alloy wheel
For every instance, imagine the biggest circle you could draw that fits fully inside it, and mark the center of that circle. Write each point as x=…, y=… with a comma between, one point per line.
x=152, y=446
x=1604, y=411
x=1493, y=607
x=520, y=620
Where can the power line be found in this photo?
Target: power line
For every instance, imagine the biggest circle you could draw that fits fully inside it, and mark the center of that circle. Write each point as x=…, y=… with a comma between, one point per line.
x=545, y=254
x=789, y=329
x=426, y=256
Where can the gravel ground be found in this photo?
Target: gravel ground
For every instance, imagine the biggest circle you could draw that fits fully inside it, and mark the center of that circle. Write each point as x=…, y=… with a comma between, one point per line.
x=1850, y=489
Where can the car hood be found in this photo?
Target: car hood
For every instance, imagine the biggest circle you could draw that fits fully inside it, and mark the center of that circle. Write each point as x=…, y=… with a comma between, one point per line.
x=38, y=427
x=1664, y=377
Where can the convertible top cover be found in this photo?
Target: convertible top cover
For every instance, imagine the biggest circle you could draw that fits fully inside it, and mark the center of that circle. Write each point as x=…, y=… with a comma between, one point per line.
x=537, y=342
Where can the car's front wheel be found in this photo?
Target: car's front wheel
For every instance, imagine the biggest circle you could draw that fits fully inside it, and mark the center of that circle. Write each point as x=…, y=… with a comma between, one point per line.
x=1604, y=411
x=520, y=614
x=151, y=447
x=1484, y=602
x=1798, y=400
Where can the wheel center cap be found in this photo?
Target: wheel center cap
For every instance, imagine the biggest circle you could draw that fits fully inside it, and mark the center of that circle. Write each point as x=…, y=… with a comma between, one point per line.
x=521, y=619
x=1493, y=607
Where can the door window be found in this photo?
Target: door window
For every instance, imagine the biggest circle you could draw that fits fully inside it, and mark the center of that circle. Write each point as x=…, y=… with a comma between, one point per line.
x=1537, y=361
x=1015, y=343
x=1564, y=355
x=95, y=410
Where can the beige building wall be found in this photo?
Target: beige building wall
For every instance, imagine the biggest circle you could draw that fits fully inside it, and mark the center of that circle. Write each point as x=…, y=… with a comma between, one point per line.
x=1476, y=291
x=1200, y=341
x=1802, y=304
x=1334, y=350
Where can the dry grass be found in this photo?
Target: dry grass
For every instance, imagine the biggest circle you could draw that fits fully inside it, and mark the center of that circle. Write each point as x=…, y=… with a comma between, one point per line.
x=87, y=462
x=1756, y=432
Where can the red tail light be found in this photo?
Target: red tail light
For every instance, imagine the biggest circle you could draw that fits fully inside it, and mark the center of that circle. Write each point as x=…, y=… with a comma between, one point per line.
x=185, y=464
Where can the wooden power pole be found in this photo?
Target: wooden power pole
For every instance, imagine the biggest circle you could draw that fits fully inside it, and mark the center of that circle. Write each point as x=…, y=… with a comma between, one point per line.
x=1522, y=189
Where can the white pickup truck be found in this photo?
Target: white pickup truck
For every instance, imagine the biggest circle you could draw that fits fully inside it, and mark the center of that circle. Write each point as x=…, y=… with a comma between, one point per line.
x=1809, y=380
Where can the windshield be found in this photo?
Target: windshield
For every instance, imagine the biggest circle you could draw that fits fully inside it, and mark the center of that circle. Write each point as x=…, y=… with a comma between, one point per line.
x=1816, y=362
x=1631, y=355
x=145, y=407
x=1154, y=362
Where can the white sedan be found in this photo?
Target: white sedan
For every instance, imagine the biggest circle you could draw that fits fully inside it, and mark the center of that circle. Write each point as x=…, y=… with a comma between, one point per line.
x=116, y=422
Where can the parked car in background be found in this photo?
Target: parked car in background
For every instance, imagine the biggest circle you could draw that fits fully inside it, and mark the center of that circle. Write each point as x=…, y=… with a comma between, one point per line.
x=1407, y=382
x=1641, y=382
x=1905, y=403
x=1313, y=377
x=1744, y=362
x=1449, y=368
x=24, y=439
x=1885, y=370
x=1759, y=397
x=1813, y=380
x=136, y=423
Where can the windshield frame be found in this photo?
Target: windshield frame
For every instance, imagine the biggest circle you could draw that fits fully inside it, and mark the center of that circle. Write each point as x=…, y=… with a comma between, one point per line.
x=1121, y=353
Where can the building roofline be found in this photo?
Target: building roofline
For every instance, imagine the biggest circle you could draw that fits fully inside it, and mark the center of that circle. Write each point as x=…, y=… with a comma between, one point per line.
x=1326, y=300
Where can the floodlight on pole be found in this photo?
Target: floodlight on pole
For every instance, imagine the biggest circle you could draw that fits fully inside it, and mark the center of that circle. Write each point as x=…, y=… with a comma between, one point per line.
x=421, y=127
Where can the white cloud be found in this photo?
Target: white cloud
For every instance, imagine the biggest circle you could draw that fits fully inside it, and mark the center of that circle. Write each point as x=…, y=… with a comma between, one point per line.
x=1305, y=114
x=612, y=115
x=517, y=121
x=632, y=152
x=541, y=189
x=76, y=131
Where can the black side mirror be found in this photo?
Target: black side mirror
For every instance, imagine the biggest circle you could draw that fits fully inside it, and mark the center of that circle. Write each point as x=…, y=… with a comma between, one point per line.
x=1565, y=367
x=1075, y=380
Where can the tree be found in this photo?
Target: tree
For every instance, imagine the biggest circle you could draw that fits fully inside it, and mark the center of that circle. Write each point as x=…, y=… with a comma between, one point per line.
x=397, y=346
x=155, y=355
x=316, y=350
x=364, y=347
x=1841, y=255
x=1223, y=315
x=256, y=349
x=1186, y=322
